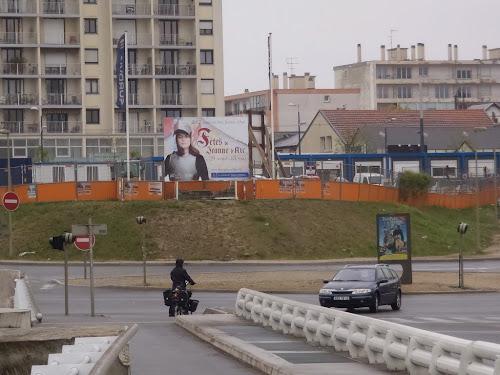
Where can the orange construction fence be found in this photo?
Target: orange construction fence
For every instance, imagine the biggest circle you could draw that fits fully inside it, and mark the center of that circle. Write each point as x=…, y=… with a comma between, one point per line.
x=246, y=190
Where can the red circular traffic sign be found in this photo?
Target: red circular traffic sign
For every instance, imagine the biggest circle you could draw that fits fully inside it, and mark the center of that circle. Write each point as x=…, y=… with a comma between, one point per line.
x=82, y=242
x=10, y=200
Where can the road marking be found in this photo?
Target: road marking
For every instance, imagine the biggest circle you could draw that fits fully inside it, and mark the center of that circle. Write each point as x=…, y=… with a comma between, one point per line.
x=436, y=320
x=492, y=317
x=271, y=342
x=399, y=320
x=297, y=351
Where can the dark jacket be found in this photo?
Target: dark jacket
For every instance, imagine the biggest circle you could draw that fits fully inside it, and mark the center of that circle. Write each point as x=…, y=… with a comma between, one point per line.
x=179, y=276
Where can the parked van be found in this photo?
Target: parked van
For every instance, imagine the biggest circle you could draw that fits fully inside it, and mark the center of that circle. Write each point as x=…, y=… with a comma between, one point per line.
x=368, y=178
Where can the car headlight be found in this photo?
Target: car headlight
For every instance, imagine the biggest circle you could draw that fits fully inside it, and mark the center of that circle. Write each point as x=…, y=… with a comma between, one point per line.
x=361, y=291
x=325, y=291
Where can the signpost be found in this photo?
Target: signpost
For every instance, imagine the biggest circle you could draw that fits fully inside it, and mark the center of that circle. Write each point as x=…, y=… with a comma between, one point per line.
x=10, y=201
x=88, y=231
x=82, y=242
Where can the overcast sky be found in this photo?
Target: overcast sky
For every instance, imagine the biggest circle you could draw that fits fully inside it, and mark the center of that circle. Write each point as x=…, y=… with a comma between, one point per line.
x=321, y=34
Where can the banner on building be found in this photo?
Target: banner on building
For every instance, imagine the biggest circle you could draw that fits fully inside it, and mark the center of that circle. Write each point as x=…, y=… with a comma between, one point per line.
x=206, y=148
x=393, y=236
x=121, y=99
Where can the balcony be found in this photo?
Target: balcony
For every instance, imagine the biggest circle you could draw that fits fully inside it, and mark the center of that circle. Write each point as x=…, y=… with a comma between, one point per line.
x=64, y=127
x=170, y=99
x=131, y=9
x=19, y=69
x=140, y=99
x=18, y=99
x=135, y=127
x=62, y=69
x=62, y=99
x=17, y=38
x=139, y=70
x=174, y=10
x=18, y=7
x=136, y=39
x=175, y=70
x=60, y=7
x=20, y=127
x=177, y=40
x=56, y=38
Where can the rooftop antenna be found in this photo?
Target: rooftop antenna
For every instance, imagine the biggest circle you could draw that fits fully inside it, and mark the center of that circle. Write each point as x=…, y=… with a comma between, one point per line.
x=291, y=62
x=390, y=36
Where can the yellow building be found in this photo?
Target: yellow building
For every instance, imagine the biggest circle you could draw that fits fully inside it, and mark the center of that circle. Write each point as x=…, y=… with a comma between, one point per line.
x=58, y=71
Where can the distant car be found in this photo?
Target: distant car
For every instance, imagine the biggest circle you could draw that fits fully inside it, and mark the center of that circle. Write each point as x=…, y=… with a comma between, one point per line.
x=362, y=286
x=368, y=178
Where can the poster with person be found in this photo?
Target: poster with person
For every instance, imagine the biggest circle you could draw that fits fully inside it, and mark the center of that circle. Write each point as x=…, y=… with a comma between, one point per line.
x=393, y=236
x=206, y=148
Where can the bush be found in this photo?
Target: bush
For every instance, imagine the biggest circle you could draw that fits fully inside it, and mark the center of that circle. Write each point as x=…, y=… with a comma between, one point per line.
x=413, y=185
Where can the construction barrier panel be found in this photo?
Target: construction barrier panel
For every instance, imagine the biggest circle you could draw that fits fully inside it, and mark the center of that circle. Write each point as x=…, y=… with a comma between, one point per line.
x=60, y=192
x=97, y=190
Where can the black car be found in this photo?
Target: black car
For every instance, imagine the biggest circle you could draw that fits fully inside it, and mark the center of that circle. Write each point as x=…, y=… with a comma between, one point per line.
x=362, y=286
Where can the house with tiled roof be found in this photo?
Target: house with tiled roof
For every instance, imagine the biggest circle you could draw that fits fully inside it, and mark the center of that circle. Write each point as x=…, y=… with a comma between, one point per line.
x=332, y=131
x=491, y=109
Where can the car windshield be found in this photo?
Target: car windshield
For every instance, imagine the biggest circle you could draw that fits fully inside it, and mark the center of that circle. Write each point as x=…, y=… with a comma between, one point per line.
x=355, y=274
x=375, y=179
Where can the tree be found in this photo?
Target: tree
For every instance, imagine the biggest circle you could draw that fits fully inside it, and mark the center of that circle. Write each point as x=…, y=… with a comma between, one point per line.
x=355, y=141
x=38, y=155
x=135, y=154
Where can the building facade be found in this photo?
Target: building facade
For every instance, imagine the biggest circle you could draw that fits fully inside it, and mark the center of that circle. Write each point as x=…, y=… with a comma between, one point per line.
x=59, y=80
x=396, y=78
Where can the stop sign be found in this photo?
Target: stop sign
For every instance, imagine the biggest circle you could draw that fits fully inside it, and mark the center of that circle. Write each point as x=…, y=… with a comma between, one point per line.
x=82, y=242
x=10, y=200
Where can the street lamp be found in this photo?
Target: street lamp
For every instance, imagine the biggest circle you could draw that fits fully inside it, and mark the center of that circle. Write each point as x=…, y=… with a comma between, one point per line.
x=477, y=129
x=298, y=121
x=41, y=131
x=9, y=178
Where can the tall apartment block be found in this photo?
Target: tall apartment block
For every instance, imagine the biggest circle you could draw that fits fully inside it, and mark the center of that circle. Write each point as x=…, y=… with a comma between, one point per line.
x=394, y=80
x=59, y=81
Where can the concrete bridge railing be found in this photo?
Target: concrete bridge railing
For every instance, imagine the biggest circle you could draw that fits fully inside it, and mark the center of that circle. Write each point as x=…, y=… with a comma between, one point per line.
x=396, y=346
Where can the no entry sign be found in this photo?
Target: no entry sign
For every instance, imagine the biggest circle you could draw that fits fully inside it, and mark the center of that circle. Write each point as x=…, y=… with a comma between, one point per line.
x=10, y=200
x=82, y=242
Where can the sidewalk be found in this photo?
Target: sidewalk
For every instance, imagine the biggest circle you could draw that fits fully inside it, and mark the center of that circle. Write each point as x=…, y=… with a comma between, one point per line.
x=271, y=352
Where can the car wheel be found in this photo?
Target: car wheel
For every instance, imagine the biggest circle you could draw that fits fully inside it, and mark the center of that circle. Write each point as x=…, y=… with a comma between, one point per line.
x=374, y=305
x=397, y=304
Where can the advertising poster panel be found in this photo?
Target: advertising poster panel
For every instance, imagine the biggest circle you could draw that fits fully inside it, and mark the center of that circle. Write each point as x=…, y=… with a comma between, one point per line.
x=206, y=148
x=393, y=237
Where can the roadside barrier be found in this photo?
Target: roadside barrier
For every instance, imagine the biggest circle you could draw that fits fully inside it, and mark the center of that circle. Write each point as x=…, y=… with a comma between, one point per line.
x=91, y=356
x=396, y=346
x=24, y=300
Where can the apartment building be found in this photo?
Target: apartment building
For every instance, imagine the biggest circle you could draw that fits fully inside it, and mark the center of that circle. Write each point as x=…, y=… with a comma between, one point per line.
x=396, y=78
x=296, y=99
x=59, y=80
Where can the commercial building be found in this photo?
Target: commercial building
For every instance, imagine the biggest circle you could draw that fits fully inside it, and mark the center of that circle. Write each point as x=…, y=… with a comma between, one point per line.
x=394, y=80
x=59, y=80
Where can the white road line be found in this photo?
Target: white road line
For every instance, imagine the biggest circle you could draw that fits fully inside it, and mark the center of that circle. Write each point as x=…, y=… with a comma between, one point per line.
x=436, y=320
x=399, y=320
x=492, y=317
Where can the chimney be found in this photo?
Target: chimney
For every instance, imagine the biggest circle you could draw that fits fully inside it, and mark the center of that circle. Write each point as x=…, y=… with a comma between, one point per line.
x=421, y=51
x=359, y=53
x=285, y=81
x=413, y=53
x=449, y=53
x=485, y=52
x=398, y=53
x=276, y=82
x=382, y=52
x=246, y=91
x=455, y=52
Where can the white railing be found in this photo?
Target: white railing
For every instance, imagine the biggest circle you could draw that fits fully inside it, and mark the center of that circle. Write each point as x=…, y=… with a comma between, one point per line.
x=177, y=40
x=62, y=69
x=139, y=69
x=131, y=9
x=135, y=127
x=19, y=99
x=175, y=69
x=135, y=39
x=62, y=99
x=398, y=347
x=58, y=38
x=174, y=10
x=59, y=7
x=20, y=127
x=63, y=127
x=140, y=99
x=17, y=38
x=19, y=68
x=171, y=99
x=18, y=7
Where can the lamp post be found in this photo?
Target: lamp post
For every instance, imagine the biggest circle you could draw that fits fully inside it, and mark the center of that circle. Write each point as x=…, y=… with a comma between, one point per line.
x=9, y=185
x=298, y=121
x=41, y=131
x=477, y=129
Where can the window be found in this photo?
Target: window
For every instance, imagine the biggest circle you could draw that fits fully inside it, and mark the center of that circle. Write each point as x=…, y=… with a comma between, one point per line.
x=206, y=27
x=92, y=173
x=464, y=92
x=423, y=71
x=207, y=56
x=441, y=171
x=322, y=141
x=207, y=86
x=329, y=143
x=91, y=56
x=90, y=1
x=208, y=112
x=171, y=113
x=382, y=72
x=58, y=174
x=326, y=99
x=403, y=72
x=464, y=74
x=90, y=25
x=382, y=92
x=205, y=2
x=92, y=86
x=442, y=92
x=404, y=92
x=92, y=116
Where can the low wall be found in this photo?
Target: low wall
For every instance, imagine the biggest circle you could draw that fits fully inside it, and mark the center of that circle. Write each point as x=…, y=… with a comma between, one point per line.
x=8, y=286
